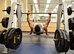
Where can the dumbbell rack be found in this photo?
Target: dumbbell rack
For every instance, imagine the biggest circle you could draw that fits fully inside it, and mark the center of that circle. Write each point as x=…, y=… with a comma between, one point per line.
x=11, y=22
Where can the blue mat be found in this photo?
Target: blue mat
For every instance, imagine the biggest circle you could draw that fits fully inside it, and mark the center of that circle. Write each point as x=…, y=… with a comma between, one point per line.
x=35, y=49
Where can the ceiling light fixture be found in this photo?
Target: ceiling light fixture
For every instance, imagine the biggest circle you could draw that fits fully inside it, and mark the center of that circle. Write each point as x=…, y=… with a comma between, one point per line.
x=55, y=9
x=35, y=1
x=36, y=5
x=48, y=1
x=47, y=5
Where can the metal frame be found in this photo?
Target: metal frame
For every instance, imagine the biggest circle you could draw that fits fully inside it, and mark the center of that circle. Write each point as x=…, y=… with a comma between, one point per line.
x=11, y=17
x=66, y=17
x=10, y=24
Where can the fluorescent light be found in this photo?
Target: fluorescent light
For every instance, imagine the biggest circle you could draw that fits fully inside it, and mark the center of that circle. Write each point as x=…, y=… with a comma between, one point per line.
x=63, y=0
x=48, y=1
x=47, y=5
x=52, y=12
x=55, y=9
x=37, y=11
x=57, y=6
x=45, y=10
x=36, y=5
x=35, y=1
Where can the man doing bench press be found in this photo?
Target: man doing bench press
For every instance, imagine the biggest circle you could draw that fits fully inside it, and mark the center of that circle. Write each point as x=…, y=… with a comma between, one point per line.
x=38, y=28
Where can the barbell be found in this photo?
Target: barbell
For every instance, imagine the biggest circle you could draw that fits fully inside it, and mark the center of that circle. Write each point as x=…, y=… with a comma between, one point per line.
x=8, y=10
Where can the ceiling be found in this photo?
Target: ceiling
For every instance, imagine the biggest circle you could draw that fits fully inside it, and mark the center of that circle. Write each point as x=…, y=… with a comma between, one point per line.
x=42, y=5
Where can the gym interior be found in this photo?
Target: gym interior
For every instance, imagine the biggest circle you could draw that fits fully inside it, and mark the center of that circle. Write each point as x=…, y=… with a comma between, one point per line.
x=36, y=27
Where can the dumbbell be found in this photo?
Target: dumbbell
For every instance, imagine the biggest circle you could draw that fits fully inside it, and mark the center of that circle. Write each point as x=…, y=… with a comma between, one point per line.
x=8, y=10
x=4, y=22
x=69, y=10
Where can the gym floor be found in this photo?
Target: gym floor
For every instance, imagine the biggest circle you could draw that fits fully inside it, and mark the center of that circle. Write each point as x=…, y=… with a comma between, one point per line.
x=36, y=45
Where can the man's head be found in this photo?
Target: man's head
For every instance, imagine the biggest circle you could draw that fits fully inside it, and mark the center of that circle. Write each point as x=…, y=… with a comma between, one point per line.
x=37, y=28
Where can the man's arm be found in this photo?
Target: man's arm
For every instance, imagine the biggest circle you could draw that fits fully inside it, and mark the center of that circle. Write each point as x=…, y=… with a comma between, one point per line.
x=48, y=20
x=28, y=20
x=46, y=24
x=29, y=23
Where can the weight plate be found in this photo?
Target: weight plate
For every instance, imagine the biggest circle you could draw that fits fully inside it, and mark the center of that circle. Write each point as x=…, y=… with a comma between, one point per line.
x=8, y=10
x=6, y=38
x=5, y=22
x=71, y=23
x=2, y=35
x=66, y=42
x=71, y=35
x=69, y=10
x=59, y=45
x=14, y=38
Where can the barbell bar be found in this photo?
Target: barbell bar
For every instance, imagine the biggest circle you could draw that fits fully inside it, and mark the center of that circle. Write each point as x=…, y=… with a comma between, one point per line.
x=8, y=10
x=38, y=13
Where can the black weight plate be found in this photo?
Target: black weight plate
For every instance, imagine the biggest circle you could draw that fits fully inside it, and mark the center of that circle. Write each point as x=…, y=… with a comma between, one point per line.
x=71, y=35
x=6, y=38
x=69, y=10
x=15, y=38
x=59, y=45
x=71, y=23
x=2, y=35
x=8, y=10
x=66, y=42
x=5, y=22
